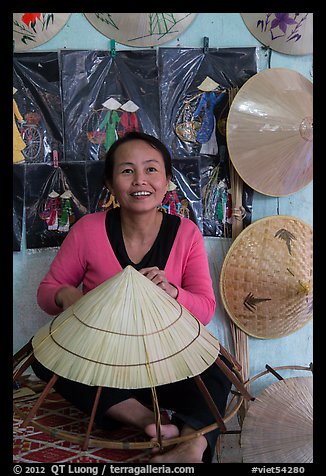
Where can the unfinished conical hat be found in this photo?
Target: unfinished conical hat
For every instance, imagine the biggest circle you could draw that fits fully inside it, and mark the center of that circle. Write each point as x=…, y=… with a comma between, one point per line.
x=126, y=333
x=269, y=132
x=141, y=29
x=278, y=426
x=266, y=278
x=289, y=33
x=35, y=29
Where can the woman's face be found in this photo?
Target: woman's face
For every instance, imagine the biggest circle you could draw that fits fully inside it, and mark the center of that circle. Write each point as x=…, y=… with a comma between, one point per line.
x=139, y=180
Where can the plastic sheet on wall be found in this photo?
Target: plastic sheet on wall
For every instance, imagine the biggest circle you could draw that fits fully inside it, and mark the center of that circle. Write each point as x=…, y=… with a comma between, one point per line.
x=185, y=200
x=106, y=96
x=194, y=89
x=55, y=198
x=18, y=204
x=37, y=106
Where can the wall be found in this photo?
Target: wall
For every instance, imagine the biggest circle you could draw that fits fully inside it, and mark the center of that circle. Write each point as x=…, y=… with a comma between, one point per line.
x=223, y=30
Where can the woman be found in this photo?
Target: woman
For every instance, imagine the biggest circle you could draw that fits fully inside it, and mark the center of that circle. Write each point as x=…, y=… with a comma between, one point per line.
x=168, y=250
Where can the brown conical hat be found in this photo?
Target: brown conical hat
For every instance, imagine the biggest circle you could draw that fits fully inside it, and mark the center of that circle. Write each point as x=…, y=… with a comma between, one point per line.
x=35, y=29
x=126, y=333
x=289, y=33
x=278, y=426
x=266, y=278
x=141, y=29
x=269, y=132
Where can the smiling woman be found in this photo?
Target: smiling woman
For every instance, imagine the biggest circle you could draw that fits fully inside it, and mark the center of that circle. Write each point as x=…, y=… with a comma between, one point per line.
x=168, y=250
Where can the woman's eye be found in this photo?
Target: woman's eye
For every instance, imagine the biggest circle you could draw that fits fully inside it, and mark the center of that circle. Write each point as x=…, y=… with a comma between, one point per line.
x=151, y=169
x=127, y=171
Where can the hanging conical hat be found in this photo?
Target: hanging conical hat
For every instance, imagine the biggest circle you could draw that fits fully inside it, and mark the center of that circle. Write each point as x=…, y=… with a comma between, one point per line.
x=289, y=33
x=269, y=132
x=266, y=278
x=278, y=426
x=141, y=29
x=34, y=29
x=126, y=333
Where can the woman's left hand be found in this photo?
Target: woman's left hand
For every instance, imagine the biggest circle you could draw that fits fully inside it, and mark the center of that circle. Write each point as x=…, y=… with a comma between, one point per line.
x=157, y=276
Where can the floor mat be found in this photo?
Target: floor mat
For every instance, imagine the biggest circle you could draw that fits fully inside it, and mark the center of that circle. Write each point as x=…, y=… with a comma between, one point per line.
x=31, y=445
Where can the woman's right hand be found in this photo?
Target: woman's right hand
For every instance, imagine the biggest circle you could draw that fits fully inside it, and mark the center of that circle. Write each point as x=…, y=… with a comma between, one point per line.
x=67, y=296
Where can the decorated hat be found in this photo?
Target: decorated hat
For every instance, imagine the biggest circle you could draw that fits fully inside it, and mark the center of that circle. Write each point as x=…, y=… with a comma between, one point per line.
x=141, y=29
x=266, y=278
x=278, y=426
x=126, y=333
x=269, y=132
x=34, y=29
x=289, y=33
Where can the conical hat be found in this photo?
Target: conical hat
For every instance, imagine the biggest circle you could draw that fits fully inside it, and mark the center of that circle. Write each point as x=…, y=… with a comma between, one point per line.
x=278, y=426
x=269, y=132
x=266, y=278
x=126, y=333
x=34, y=29
x=289, y=33
x=141, y=29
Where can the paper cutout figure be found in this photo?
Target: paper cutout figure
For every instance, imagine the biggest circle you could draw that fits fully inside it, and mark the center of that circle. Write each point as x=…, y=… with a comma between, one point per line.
x=66, y=217
x=107, y=130
x=51, y=210
x=196, y=122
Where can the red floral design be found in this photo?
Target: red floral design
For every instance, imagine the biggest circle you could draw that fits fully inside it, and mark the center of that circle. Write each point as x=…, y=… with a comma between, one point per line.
x=29, y=18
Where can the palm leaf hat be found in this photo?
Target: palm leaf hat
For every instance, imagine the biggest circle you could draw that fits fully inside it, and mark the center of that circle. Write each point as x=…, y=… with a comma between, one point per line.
x=266, y=281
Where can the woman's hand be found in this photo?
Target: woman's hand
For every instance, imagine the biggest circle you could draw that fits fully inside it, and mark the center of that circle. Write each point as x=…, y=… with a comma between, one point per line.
x=157, y=276
x=67, y=296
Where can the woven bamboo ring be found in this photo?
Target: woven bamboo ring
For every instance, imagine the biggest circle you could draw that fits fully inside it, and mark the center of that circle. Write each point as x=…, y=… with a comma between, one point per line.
x=22, y=360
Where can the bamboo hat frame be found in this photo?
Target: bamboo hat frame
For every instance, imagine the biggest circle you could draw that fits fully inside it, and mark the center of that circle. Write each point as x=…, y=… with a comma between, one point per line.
x=266, y=278
x=128, y=333
x=269, y=132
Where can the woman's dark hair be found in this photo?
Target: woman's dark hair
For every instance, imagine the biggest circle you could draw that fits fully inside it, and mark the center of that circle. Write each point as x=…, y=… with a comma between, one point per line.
x=151, y=140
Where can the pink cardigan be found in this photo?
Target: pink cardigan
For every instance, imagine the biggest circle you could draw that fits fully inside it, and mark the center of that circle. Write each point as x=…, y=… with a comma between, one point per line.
x=86, y=256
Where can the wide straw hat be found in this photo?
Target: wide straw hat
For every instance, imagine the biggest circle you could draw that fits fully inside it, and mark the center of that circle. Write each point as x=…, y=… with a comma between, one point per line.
x=269, y=132
x=35, y=29
x=266, y=278
x=140, y=29
x=289, y=33
x=126, y=333
x=278, y=426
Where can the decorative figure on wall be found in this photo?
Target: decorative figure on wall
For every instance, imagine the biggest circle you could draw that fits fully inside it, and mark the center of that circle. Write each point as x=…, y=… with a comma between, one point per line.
x=51, y=210
x=128, y=120
x=18, y=143
x=57, y=208
x=32, y=135
x=110, y=122
x=106, y=130
x=106, y=201
x=66, y=217
x=196, y=121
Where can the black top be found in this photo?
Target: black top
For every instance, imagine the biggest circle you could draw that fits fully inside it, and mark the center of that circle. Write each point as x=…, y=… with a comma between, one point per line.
x=159, y=252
